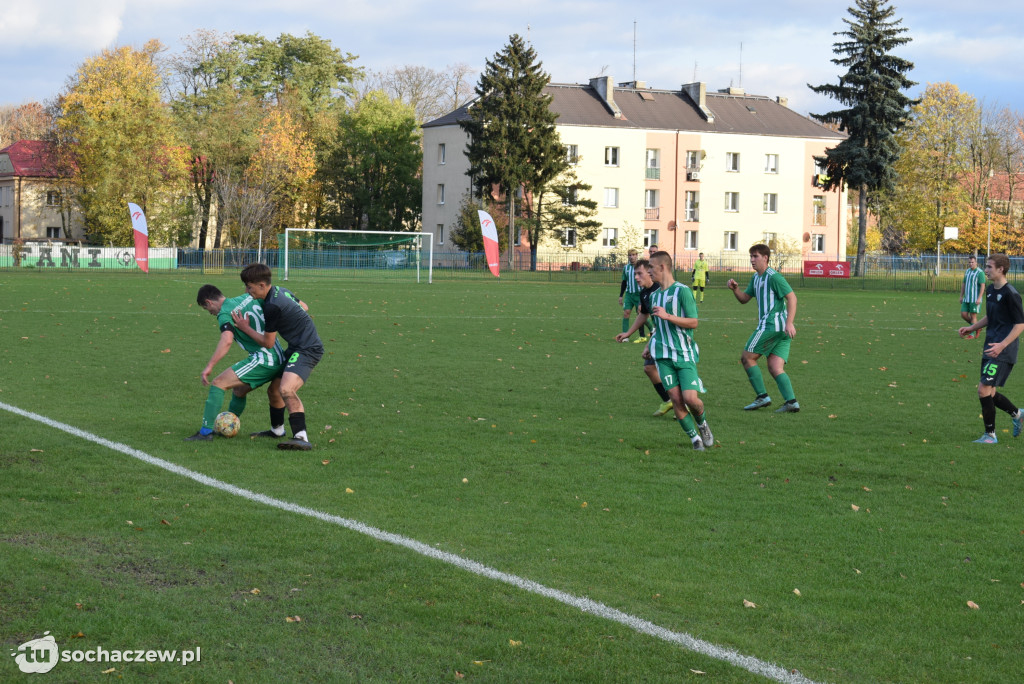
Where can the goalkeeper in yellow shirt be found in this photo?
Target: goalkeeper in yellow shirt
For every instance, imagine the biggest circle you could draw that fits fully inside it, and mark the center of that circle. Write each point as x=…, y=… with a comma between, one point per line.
x=700, y=276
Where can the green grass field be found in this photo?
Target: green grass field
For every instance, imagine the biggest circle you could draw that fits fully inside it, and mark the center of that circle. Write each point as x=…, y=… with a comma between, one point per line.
x=501, y=423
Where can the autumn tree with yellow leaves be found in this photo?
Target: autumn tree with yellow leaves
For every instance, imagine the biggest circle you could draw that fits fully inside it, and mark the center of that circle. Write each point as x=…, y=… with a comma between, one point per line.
x=125, y=147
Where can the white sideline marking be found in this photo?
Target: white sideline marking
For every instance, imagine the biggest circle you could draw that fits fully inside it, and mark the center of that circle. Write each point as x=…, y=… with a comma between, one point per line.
x=749, y=663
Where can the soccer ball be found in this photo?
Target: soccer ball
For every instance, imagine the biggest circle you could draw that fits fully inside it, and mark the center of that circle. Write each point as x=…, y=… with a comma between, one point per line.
x=226, y=424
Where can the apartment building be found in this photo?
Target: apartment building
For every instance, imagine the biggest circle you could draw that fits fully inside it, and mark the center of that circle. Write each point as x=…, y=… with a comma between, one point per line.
x=688, y=169
x=30, y=204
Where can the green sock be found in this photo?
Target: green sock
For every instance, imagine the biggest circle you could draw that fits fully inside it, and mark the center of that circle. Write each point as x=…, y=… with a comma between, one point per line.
x=785, y=386
x=699, y=420
x=756, y=380
x=214, y=400
x=237, y=404
x=625, y=324
x=689, y=427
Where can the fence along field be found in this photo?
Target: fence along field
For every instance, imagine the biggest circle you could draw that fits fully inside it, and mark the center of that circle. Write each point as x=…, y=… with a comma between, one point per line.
x=517, y=388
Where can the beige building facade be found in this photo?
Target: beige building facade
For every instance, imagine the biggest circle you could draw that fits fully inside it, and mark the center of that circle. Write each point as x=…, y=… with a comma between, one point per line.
x=31, y=205
x=691, y=170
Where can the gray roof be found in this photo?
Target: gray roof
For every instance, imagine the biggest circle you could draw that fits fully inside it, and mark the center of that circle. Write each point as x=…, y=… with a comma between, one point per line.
x=650, y=109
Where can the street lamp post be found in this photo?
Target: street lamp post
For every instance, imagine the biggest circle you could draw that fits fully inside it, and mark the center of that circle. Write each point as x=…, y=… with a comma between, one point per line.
x=988, y=250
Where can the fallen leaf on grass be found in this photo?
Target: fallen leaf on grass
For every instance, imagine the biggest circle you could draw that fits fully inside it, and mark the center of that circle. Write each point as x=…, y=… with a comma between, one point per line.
x=36, y=451
x=349, y=491
x=855, y=507
x=973, y=606
x=293, y=619
x=749, y=604
x=797, y=592
x=480, y=662
x=698, y=672
x=325, y=462
x=459, y=675
x=113, y=669
x=164, y=522
x=513, y=642
x=255, y=592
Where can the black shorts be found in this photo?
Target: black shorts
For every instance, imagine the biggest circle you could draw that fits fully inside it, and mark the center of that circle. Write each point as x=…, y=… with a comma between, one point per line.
x=994, y=373
x=650, y=362
x=302, y=362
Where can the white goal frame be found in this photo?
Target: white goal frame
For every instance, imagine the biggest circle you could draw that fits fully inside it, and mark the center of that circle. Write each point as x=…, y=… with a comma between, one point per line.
x=429, y=236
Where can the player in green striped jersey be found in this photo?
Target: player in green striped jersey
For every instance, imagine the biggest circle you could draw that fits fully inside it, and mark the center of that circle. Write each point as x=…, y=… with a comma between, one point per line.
x=260, y=367
x=629, y=290
x=776, y=314
x=643, y=276
x=672, y=347
x=971, y=293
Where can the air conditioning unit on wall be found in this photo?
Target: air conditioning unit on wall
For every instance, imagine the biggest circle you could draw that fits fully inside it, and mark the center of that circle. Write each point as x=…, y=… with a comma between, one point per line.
x=693, y=175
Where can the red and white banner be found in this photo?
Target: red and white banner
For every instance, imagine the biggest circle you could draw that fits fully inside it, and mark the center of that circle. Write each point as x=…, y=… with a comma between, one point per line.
x=490, y=233
x=141, y=230
x=826, y=269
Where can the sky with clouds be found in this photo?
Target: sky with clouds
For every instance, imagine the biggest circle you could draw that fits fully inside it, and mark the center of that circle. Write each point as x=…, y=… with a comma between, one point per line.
x=772, y=49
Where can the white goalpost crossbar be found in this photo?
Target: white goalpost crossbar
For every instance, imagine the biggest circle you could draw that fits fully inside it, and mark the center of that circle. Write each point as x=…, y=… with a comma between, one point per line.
x=421, y=235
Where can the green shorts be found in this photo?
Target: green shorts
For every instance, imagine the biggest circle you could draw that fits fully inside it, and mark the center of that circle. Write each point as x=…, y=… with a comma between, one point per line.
x=681, y=374
x=257, y=369
x=970, y=307
x=765, y=342
x=631, y=300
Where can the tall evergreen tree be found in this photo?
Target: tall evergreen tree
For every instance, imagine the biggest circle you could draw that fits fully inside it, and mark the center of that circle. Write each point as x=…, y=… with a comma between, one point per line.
x=513, y=142
x=877, y=109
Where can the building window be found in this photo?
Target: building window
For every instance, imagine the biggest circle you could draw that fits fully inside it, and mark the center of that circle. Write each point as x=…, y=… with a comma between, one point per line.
x=693, y=160
x=730, y=241
x=53, y=232
x=819, y=167
x=572, y=154
x=818, y=243
x=771, y=203
x=440, y=193
x=608, y=238
x=571, y=197
x=653, y=171
x=732, y=201
x=651, y=206
x=569, y=237
x=650, y=238
x=732, y=162
x=690, y=239
x=692, y=202
x=440, y=233
x=52, y=198
x=611, y=156
x=769, y=239
x=440, y=153
x=611, y=197
x=771, y=163
x=819, y=211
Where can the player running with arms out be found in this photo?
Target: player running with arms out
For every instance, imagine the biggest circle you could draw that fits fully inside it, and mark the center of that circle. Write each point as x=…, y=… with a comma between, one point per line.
x=776, y=313
x=260, y=367
x=674, y=350
x=1004, y=323
x=285, y=316
x=971, y=293
x=648, y=287
x=700, y=276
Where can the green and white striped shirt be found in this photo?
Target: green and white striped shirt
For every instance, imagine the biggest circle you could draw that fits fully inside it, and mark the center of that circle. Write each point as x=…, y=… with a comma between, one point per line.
x=669, y=340
x=629, y=276
x=974, y=278
x=770, y=289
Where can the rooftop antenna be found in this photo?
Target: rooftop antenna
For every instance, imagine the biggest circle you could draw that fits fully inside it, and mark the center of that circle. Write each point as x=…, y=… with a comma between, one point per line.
x=741, y=66
x=634, y=52
x=694, y=71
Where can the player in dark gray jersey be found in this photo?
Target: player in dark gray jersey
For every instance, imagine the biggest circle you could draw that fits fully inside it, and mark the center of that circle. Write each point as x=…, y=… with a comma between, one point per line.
x=1004, y=320
x=287, y=316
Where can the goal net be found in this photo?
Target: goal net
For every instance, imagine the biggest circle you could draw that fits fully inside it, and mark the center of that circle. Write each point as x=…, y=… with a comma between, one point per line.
x=366, y=254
